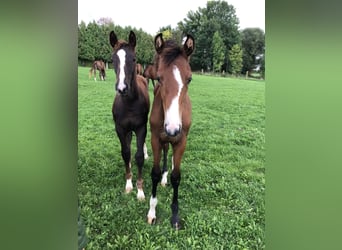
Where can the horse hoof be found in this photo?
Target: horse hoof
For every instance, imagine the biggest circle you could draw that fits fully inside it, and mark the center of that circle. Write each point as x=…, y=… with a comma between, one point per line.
x=128, y=190
x=140, y=198
x=177, y=226
x=140, y=195
x=175, y=222
x=151, y=220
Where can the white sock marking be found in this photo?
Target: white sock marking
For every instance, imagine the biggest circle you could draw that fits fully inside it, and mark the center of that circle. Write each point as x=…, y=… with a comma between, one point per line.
x=122, y=56
x=140, y=195
x=152, y=211
x=145, y=152
x=164, y=179
x=173, y=165
x=129, y=185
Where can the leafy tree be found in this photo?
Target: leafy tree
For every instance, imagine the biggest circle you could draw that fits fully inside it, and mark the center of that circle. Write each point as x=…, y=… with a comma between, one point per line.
x=218, y=52
x=202, y=24
x=235, y=57
x=262, y=66
x=105, y=21
x=145, y=47
x=167, y=32
x=253, y=45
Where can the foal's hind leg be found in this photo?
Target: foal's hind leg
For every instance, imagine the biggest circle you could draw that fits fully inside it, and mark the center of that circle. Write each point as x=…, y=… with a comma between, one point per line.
x=145, y=151
x=165, y=172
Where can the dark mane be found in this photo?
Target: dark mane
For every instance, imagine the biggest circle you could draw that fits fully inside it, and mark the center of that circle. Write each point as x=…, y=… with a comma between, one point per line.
x=171, y=51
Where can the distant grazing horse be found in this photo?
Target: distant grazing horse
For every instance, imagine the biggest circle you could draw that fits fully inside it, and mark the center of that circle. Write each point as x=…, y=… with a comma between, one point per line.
x=101, y=67
x=139, y=69
x=170, y=117
x=131, y=106
x=150, y=72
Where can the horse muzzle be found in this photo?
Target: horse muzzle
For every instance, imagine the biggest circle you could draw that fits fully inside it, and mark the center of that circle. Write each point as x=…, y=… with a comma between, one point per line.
x=122, y=89
x=172, y=130
x=123, y=92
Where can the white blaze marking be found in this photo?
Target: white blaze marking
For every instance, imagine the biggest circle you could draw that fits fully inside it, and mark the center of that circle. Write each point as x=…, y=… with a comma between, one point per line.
x=152, y=211
x=172, y=117
x=122, y=56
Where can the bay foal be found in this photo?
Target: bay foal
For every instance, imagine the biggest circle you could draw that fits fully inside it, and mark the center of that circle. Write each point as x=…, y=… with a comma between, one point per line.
x=101, y=67
x=131, y=106
x=170, y=118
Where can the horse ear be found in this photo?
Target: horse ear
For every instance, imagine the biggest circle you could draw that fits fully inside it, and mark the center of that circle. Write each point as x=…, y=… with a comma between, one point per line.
x=113, y=39
x=159, y=43
x=132, y=39
x=189, y=45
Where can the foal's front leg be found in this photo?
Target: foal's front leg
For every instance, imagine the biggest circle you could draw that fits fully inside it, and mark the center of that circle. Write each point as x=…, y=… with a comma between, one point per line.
x=125, y=141
x=178, y=151
x=155, y=176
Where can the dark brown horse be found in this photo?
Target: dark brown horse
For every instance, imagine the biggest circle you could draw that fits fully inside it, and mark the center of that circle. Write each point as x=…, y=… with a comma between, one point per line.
x=101, y=67
x=150, y=72
x=170, y=118
x=131, y=107
x=139, y=69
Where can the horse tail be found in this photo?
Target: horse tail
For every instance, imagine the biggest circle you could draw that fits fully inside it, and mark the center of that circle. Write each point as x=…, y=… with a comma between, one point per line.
x=93, y=70
x=90, y=73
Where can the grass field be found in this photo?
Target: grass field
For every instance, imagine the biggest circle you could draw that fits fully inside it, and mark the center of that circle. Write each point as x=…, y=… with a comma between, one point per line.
x=221, y=195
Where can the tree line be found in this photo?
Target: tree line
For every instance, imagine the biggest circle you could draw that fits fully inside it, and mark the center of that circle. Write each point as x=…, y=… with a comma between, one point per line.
x=220, y=45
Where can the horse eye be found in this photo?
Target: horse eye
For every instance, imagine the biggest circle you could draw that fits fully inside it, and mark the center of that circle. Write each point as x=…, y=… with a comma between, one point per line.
x=189, y=80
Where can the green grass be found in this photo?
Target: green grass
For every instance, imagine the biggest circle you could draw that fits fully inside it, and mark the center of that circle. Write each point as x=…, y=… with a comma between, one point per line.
x=221, y=195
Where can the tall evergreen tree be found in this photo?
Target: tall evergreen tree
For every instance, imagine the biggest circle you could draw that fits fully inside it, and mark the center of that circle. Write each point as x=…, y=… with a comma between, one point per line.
x=85, y=50
x=203, y=23
x=218, y=52
x=235, y=58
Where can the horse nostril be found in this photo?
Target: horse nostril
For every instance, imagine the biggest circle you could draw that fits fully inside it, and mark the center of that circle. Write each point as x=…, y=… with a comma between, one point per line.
x=172, y=130
x=122, y=91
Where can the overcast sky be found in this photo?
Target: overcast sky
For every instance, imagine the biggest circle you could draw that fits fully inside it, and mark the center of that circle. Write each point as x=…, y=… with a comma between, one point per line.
x=150, y=15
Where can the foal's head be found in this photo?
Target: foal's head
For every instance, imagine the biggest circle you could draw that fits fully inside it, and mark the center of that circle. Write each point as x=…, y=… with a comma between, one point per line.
x=124, y=62
x=174, y=75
